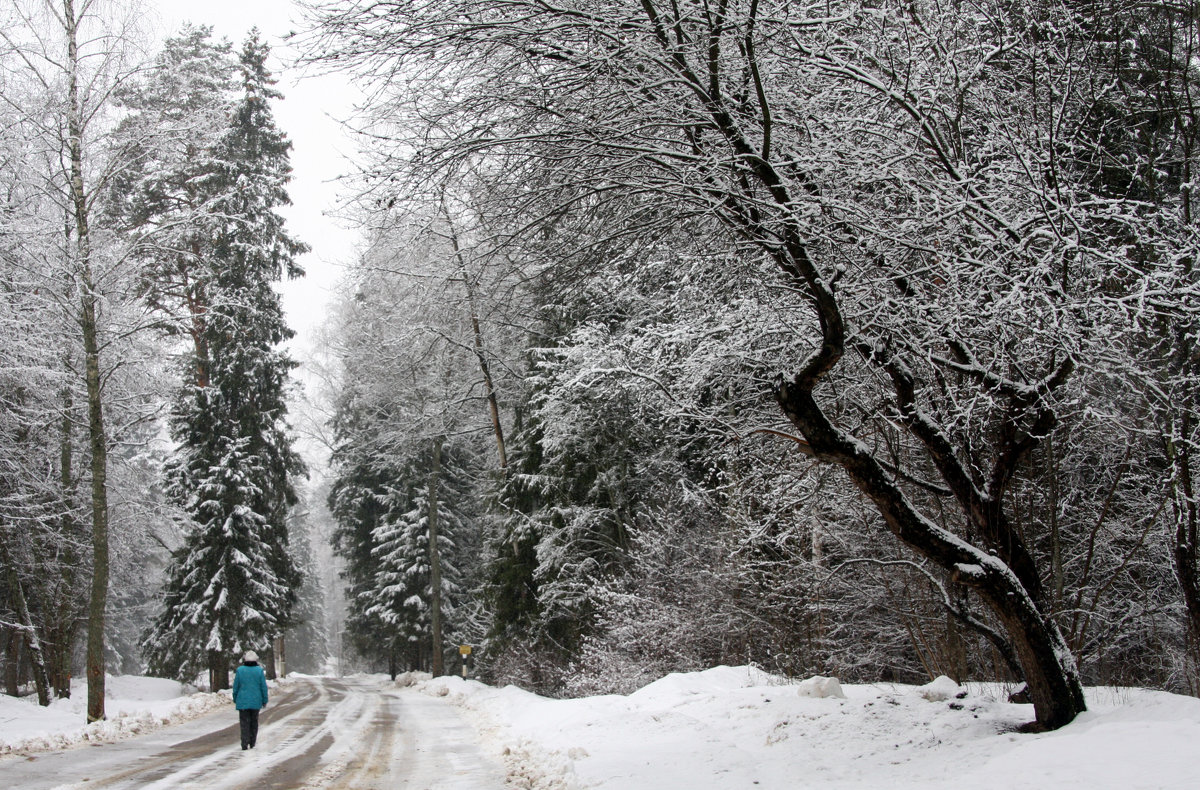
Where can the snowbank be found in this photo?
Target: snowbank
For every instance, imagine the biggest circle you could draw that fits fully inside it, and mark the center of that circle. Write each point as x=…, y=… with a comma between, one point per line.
x=135, y=705
x=739, y=727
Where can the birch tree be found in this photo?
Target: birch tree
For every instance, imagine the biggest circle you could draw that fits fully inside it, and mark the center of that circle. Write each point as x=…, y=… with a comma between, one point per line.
x=73, y=55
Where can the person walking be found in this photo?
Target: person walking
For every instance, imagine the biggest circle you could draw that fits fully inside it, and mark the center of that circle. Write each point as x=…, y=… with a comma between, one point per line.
x=249, y=696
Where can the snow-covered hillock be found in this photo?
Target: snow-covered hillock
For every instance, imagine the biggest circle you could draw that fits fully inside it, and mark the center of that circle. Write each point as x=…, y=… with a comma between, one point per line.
x=741, y=728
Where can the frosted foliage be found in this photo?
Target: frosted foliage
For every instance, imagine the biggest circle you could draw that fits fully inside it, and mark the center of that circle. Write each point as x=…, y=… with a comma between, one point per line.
x=233, y=583
x=399, y=395
x=800, y=276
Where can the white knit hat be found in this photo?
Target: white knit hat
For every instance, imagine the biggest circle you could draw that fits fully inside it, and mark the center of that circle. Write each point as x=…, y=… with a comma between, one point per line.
x=250, y=656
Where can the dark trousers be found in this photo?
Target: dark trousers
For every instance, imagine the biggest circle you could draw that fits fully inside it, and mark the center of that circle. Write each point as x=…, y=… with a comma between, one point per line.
x=249, y=721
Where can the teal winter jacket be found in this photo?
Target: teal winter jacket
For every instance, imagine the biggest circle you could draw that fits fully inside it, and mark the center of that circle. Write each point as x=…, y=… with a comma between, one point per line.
x=249, y=687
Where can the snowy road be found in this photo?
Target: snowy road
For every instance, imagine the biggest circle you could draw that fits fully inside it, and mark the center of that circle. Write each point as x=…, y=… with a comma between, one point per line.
x=318, y=734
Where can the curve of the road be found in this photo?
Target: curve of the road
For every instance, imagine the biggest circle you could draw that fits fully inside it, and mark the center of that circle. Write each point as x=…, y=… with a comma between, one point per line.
x=318, y=734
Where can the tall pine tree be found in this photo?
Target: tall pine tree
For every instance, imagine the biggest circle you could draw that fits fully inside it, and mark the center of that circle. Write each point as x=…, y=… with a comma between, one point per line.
x=232, y=585
x=178, y=115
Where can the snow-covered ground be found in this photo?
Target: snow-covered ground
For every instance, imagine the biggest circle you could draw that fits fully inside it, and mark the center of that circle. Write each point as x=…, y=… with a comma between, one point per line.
x=134, y=705
x=737, y=728
x=741, y=728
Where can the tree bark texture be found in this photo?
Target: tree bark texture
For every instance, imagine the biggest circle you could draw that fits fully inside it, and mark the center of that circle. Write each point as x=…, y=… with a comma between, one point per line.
x=480, y=351
x=437, y=664
x=489, y=387
x=63, y=618
x=218, y=671
x=33, y=644
x=89, y=327
x=1184, y=549
x=12, y=661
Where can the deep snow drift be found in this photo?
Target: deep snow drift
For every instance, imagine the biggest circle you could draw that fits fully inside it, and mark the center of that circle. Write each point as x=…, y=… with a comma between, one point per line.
x=741, y=728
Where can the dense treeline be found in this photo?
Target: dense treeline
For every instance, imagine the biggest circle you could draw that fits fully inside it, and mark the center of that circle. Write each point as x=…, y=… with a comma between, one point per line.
x=140, y=241
x=850, y=338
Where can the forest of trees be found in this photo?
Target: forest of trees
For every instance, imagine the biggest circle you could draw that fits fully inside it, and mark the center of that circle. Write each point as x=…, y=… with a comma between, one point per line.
x=852, y=338
x=147, y=474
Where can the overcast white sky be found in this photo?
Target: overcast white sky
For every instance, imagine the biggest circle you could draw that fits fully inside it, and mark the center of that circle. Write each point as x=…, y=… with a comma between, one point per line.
x=307, y=114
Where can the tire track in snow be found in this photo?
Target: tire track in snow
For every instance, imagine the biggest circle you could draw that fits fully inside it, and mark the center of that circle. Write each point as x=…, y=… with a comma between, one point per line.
x=147, y=768
x=415, y=743
x=289, y=747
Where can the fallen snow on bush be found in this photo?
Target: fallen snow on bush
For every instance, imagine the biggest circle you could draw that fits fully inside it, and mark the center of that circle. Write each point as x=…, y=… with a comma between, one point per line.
x=741, y=728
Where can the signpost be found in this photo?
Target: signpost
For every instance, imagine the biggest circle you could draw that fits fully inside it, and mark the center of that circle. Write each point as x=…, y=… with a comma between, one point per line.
x=464, y=651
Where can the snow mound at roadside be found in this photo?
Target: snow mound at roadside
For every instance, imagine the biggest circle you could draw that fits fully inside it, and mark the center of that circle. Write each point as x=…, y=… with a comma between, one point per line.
x=141, y=689
x=739, y=728
x=135, y=706
x=821, y=687
x=406, y=679
x=722, y=678
x=527, y=764
x=529, y=767
x=940, y=689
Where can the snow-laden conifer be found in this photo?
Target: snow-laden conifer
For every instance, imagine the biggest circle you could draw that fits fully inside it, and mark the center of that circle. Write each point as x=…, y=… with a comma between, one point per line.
x=232, y=584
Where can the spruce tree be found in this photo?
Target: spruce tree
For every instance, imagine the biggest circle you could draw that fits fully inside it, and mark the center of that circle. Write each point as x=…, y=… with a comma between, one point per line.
x=435, y=481
x=177, y=116
x=381, y=500
x=307, y=641
x=232, y=585
x=359, y=503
